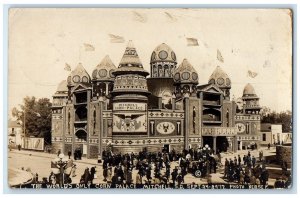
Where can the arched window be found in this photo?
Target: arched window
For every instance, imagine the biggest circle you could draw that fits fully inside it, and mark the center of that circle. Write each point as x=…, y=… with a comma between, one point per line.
x=186, y=89
x=81, y=135
x=81, y=114
x=154, y=71
x=102, y=89
x=227, y=118
x=110, y=87
x=160, y=71
x=69, y=121
x=94, y=121
x=166, y=71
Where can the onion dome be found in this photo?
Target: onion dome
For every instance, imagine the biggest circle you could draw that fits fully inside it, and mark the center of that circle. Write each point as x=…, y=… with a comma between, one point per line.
x=62, y=87
x=104, y=70
x=220, y=78
x=185, y=73
x=78, y=75
x=249, y=91
x=163, y=53
x=130, y=62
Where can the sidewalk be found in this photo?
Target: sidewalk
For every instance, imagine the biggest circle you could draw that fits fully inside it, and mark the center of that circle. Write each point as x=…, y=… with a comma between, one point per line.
x=53, y=156
x=18, y=177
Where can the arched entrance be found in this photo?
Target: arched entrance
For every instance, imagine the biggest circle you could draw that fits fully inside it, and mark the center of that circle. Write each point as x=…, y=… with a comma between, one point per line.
x=222, y=144
x=208, y=140
x=81, y=146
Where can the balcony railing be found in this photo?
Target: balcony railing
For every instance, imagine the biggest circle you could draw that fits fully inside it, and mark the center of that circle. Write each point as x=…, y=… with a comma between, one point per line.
x=208, y=102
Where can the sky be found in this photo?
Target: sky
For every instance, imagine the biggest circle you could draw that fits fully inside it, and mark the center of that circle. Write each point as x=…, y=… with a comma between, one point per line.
x=43, y=40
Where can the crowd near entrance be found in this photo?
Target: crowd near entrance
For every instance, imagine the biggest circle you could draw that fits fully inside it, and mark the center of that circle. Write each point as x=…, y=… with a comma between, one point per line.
x=221, y=143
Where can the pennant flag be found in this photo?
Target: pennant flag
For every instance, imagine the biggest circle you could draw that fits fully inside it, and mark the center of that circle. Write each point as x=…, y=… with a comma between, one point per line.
x=89, y=47
x=69, y=164
x=219, y=56
x=54, y=164
x=116, y=38
x=267, y=63
x=139, y=17
x=171, y=17
x=67, y=67
x=252, y=74
x=192, y=42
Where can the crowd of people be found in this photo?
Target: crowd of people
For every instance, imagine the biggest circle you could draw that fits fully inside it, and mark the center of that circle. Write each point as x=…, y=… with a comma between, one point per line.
x=246, y=170
x=159, y=168
x=156, y=167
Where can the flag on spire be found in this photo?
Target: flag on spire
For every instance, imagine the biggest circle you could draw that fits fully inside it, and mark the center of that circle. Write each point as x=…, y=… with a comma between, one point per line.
x=116, y=38
x=192, y=42
x=219, y=56
x=89, y=47
x=67, y=67
x=252, y=74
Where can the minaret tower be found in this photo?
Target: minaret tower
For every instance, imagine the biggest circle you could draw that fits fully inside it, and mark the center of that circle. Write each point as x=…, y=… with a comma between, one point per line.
x=250, y=100
x=130, y=98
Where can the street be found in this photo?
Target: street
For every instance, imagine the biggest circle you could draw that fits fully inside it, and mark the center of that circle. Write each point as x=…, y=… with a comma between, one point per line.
x=40, y=162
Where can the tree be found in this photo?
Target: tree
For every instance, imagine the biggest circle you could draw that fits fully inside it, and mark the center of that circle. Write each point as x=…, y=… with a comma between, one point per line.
x=284, y=118
x=37, y=117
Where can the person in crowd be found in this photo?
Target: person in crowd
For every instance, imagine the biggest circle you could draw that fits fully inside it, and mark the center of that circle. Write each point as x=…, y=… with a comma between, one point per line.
x=138, y=179
x=242, y=178
x=253, y=161
x=105, y=170
x=58, y=152
x=264, y=177
x=74, y=170
x=239, y=160
x=69, y=154
x=261, y=154
x=179, y=179
x=52, y=178
x=109, y=174
x=92, y=174
x=86, y=176
x=36, y=177
x=174, y=175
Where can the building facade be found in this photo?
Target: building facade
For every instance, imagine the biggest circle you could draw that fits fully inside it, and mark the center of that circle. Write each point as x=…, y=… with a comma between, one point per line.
x=272, y=134
x=128, y=109
x=15, y=133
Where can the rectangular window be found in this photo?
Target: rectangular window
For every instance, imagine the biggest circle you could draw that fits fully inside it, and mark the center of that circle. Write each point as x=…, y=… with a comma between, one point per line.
x=264, y=138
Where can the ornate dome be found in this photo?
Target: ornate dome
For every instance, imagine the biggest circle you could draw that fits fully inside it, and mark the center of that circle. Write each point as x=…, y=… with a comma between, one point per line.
x=185, y=73
x=130, y=62
x=163, y=53
x=62, y=87
x=249, y=90
x=78, y=75
x=220, y=78
x=104, y=70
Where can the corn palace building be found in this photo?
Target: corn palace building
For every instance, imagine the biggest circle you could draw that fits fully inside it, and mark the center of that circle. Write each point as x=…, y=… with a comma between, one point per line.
x=127, y=109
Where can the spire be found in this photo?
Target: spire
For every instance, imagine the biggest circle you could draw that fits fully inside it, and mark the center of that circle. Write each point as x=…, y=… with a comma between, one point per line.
x=186, y=73
x=79, y=74
x=130, y=57
x=106, y=61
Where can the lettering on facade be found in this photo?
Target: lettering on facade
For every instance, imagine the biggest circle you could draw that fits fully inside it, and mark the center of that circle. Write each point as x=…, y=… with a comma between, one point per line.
x=248, y=117
x=130, y=106
x=219, y=131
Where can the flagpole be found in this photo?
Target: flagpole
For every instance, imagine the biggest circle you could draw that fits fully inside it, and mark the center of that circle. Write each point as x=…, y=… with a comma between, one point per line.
x=79, y=55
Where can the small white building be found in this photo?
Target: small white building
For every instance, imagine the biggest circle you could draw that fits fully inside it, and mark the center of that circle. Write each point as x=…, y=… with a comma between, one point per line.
x=15, y=133
x=272, y=133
